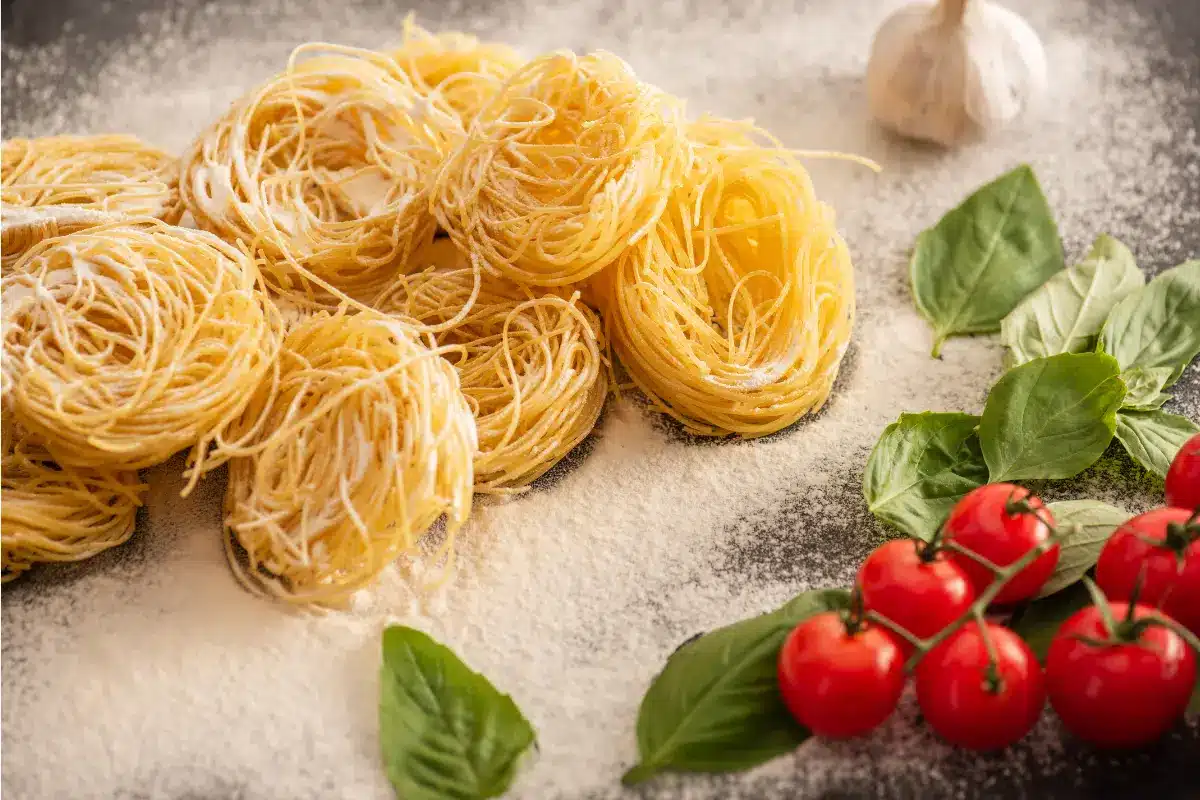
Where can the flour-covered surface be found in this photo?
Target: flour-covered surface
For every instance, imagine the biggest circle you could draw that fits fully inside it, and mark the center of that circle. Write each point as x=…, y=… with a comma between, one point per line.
x=147, y=673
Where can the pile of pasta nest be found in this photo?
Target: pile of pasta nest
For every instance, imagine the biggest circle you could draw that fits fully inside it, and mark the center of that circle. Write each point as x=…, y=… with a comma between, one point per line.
x=384, y=282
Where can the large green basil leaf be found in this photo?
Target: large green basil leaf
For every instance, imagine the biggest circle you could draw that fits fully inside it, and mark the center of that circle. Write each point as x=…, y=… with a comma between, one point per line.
x=446, y=731
x=1144, y=387
x=1066, y=314
x=1157, y=326
x=920, y=467
x=973, y=267
x=716, y=706
x=1039, y=620
x=1052, y=417
x=1152, y=438
x=1094, y=522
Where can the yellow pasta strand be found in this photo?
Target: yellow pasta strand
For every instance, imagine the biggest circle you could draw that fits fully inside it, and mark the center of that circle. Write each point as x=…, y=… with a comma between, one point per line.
x=734, y=314
x=326, y=171
x=572, y=162
x=363, y=444
x=22, y=228
x=51, y=513
x=115, y=174
x=464, y=72
x=530, y=363
x=128, y=342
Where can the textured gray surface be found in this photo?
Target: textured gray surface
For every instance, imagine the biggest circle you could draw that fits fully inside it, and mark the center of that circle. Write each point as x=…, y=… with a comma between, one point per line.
x=845, y=536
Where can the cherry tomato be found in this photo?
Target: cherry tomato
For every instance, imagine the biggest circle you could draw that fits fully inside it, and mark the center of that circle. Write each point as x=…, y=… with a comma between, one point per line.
x=918, y=594
x=1183, y=478
x=967, y=703
x=837, y=683
x=1118, y=694
x=1150, y=546
x=981, y=523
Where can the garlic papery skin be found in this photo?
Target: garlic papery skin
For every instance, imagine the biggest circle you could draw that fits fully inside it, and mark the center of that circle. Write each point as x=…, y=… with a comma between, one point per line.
x=949, y=72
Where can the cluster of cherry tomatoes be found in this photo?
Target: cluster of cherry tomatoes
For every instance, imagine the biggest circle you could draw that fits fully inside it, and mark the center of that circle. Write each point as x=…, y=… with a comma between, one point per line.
x=1119, y=674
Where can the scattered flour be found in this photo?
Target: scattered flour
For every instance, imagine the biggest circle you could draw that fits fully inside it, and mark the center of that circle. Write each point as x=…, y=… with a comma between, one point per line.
x=148, y=673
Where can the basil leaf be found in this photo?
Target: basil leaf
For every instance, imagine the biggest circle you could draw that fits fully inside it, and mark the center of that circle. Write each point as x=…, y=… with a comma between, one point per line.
x=1144, y=387
x=920, y=467
x=972, y=268
x=1078, y=552
x=446, y=731
x=1066, y=314
x=1152, y=438
x=716, y=706
x=1039, y=620
x=1156, y=326
x=1051, y=418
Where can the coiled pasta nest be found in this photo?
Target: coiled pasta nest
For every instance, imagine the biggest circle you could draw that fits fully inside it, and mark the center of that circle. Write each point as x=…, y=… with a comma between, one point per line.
x=128, y=342
x=463, y=71
x=570, y=163
x=530, y=363
x=22, y=228
x=734, y=314
x=114, y=174
x=326, y=171
x=363, y=444
x=53, y=513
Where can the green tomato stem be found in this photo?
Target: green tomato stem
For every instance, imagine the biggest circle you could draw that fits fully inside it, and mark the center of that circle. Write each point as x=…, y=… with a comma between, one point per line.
x=1002, y=574
x=899, y=630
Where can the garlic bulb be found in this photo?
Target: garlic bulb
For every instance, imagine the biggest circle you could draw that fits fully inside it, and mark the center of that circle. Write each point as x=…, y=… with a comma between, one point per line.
x=952, y=70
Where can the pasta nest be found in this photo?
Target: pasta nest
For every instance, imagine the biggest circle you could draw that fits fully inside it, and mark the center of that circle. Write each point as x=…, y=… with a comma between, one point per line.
x=463, y=71
x=734, y=314
x=326, y=171
x=363, y=444
x=115, y=174
x=125, y=343
x=569, y=164
x=53, y=513
x=530, y=363
x=22, y=228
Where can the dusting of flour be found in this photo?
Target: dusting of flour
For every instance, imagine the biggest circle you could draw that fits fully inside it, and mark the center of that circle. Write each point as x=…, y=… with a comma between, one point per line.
x=148, y=673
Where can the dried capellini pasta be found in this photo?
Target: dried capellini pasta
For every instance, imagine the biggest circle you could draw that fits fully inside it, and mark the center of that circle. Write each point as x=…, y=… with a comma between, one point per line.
x=326, y=171
x=22, y=228
x=127, y=342
x=734, y=314
x=464, y=71
x=570, y=163
x=364, y=443
x=53, y=513
x=116, y=174
x=530, y=363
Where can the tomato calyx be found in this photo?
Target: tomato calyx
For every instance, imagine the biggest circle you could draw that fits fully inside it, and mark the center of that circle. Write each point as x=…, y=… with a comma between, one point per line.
x=1129, y=629
x=1178, y=537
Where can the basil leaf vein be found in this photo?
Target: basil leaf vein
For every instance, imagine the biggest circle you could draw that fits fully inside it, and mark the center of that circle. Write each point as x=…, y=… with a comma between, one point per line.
x=716, y=706
x=1078, y=552
x=1157, y=326
x=1067, y=312
x=920, y=467
x=972, y=268
x=1052, y=417
x=446, y=731
x=1145, y=386
x=1152, y=438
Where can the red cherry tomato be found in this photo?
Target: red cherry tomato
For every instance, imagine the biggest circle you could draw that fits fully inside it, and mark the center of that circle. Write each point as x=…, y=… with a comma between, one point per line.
x=1118, y=695
x=1169, y=567
x=981, y=523
x=837, y=683
x=969, y=705
x=1183, y=477
x=922, y=596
